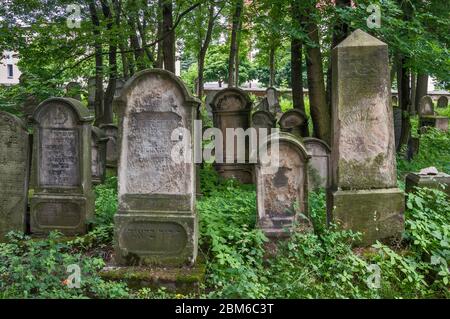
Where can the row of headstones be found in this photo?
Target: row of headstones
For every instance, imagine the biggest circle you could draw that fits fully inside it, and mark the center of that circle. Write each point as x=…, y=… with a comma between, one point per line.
x=59, y=162
x=156, y=220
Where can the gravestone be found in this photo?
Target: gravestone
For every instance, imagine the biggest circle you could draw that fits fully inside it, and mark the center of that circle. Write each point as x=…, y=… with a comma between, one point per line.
x=319, y=168
x=426, y=106
x=413, y=148
x=433, y=180
x=112, y=153
x=14, y=164
x=73, y=90
x=156, y=222
x=98, y=146
x=427, y=117
x=397, y=125
x=364, y=196
x=442, y=102
x=273, y=101
x=394, y=100
x=282, y=189
x=263, y=105
x=263, y=120
x=231, y=109
x=119, y=86
x=61, y=168
x=208, y=99
x=292, y=122
x=91, y=93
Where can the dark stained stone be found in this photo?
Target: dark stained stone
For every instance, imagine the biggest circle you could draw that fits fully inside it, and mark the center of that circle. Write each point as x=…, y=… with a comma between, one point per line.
x=14, y=174
x=61, y=169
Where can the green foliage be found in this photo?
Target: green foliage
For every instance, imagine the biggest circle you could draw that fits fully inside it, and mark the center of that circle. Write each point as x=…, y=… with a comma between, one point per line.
x=38, y=269
x=434, y=150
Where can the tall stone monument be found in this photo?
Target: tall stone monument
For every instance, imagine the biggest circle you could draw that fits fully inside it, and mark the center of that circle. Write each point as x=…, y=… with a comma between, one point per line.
x=61, y=170
x=282, y=188
x=91, y=93
x=156, y=222
x=98, y=147
x=231, y=109
x=273, y=100
x=14, y=167
x=364, y=196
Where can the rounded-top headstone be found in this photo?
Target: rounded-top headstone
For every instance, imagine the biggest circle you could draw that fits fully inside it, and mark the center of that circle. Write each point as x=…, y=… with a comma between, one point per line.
x=442, y=102
x=426, y=106
x=231, y=100
x=59, y=110
x=263, y=119
x=292, y=119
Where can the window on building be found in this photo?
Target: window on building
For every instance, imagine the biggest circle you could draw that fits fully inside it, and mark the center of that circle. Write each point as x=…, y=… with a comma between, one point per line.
x=10, y=71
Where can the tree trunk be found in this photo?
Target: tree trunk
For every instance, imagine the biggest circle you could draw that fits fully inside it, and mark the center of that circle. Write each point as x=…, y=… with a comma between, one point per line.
x=159, y=53
x=297, y=69
x=169, y=36
x=421, y=89
x=204, y=49
x=234, y=43
x=272, y=66
x=404, y=101
x=98, y=101
x=111, y=89
x=413, y=92
x=320, y=111
x=340, y=32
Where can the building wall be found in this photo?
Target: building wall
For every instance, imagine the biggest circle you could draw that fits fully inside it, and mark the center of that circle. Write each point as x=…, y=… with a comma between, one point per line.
x=9, y=59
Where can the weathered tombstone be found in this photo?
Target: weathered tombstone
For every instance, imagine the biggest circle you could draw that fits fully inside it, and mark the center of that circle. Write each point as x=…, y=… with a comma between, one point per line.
x=156, y=222
x=442, y=102
x=119, y=86
x=91, y=93
x=319, y=169
x=364, y=196
x=61, y=168
x=73, y=90
x=14, y=164
x=413, y=148
x=231, y=109
x=263, y=120
x=273, y=101
x=427, y=117
x=426, y=106
x=208, y=99
x=292, y=122
x=282, y=191
x=398, y=113
x=263, y=105
x=98, y=146
x=434, y=180
x=111, y=132
x=394, y=100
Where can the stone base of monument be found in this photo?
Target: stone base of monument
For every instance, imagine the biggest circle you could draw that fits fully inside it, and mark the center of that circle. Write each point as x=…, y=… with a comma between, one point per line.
x=243, y=173
x=184, y=280
x=439, y=122
x=377, y=214
x=430, y=181
x=142, y=239
x=65, y=213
